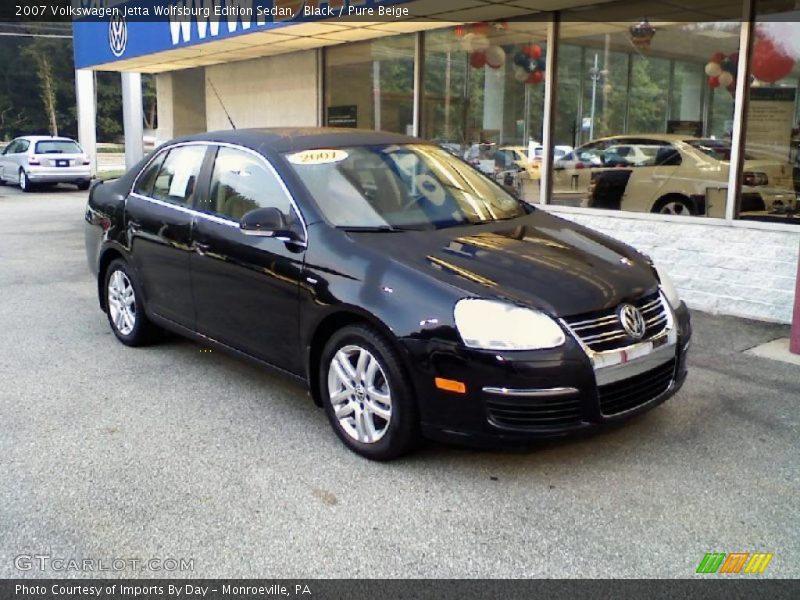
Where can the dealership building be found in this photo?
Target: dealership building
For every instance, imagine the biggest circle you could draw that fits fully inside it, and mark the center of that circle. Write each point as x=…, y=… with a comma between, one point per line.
x=669, y=124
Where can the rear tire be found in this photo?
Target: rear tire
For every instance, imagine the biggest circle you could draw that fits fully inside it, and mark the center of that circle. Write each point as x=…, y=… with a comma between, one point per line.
x=125, y=308
x=675, y=205
x=367, y=397
x=84, y=185
x=24, y=183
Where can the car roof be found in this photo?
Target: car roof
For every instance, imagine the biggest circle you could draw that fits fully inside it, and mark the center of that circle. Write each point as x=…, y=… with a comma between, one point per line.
x=656, y=137
x=286, y=139
x=45, y=138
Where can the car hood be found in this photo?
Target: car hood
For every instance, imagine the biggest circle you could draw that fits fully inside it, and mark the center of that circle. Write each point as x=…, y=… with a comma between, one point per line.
x=538, y=260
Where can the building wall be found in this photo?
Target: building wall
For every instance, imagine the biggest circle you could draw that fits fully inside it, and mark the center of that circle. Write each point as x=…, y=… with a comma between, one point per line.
x=719, y=269
x=273, y=91
x=181, y=103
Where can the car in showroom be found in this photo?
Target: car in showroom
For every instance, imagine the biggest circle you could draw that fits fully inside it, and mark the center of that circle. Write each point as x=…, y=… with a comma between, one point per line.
x=31, y=161
x=413, y=295
x=668, y=173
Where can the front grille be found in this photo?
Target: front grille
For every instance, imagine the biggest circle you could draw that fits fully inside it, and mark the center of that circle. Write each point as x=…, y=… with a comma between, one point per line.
x=622, y=396
x=602, y=331
x=535, y=413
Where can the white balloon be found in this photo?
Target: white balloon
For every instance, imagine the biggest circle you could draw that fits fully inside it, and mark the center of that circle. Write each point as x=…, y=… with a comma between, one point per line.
x=520, y=74
x=479, y=43
x=495, y=57
x=725, y=79
x=466, y=42
x=713, y=69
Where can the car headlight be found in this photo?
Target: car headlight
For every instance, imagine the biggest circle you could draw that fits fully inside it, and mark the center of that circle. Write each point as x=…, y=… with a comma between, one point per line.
x=668, y=287
x=494, y=325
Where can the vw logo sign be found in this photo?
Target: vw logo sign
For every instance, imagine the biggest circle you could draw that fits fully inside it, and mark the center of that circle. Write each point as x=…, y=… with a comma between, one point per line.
x=117, y=35
x=632, y=321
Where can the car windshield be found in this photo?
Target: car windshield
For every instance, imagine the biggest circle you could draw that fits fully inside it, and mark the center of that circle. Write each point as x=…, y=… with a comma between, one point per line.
x=397, y=187
x=57, y=147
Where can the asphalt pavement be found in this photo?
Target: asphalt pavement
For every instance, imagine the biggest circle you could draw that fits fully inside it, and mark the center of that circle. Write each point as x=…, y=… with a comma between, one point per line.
x=170, y=452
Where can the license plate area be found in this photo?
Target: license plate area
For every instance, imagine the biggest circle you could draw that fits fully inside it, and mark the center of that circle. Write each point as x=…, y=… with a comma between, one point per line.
x=62, y=163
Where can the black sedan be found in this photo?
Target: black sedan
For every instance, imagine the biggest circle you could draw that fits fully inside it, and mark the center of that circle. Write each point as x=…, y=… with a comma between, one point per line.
x=413, y=295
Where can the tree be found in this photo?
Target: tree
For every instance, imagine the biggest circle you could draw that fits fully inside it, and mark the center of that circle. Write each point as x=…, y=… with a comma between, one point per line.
x=40, y=51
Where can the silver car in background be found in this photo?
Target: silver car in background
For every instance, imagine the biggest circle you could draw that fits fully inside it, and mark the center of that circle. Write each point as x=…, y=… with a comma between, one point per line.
x=32, y=160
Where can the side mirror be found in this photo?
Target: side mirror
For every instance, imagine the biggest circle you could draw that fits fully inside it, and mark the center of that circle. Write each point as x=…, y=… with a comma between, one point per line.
x=266, y=222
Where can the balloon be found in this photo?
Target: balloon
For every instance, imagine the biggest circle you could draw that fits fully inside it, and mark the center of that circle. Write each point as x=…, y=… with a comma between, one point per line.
x=479, y=43
x=460, y=31
x=466, y=42
x=495, y=57
x=521, y=60
x=536, y=77
x=534, y=51
x=477, y=60
x=521, y=74
x=541, y=64
x=713, y=69
x=725, y=79
x=480, y=28
x=728, y=66
x=713, y=82
x=769, y=63
x=717, y=57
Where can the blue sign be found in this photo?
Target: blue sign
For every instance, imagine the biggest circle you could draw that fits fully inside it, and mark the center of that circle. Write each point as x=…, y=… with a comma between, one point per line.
x=106, y=31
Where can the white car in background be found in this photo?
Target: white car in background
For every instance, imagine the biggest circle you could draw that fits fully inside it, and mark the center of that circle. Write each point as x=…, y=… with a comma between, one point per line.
x=669, y=174
x=32, y=160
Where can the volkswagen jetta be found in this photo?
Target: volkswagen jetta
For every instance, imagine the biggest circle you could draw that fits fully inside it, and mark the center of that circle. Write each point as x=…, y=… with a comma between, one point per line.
x=413, y=295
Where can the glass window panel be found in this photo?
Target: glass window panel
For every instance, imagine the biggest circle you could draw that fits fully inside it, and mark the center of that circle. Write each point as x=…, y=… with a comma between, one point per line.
x=484, y=98
x=370, y=85
x=641, y=111
x=771, y=166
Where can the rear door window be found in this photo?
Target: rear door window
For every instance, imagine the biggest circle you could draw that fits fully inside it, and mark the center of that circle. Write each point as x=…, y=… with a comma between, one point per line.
x=177, y=178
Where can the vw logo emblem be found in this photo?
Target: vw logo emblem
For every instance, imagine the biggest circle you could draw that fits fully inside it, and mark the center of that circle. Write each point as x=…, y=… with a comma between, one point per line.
x=632, y=321
x=117, y=35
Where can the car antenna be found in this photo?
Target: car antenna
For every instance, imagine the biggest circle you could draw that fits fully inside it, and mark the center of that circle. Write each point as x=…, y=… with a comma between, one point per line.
x=221, y=103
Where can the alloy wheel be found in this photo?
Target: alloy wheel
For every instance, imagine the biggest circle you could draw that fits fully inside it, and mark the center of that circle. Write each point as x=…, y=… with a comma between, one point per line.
x=23, y=180
x=358, y=390
x=675, y=208
x=121, y=302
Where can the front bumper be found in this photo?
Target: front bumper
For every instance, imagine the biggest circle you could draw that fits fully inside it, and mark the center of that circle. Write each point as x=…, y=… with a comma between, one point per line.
x=518, y=397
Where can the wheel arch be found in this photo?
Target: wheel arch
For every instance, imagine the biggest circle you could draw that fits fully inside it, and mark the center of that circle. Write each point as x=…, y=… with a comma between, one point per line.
x=330, y=324
x=108, y=255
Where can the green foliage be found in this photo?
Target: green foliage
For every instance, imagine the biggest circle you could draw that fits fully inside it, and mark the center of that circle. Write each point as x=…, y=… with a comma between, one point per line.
x=22, y=108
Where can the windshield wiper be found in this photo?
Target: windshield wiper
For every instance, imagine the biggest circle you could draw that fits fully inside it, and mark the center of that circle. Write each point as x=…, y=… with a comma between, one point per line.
x=371, y=228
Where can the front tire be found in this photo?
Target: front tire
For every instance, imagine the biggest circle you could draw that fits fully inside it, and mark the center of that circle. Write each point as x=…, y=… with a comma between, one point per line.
x=124, y=306
x=367, y=398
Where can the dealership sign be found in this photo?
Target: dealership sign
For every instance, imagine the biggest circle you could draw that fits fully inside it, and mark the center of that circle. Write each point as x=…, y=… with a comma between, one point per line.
x=106, y=31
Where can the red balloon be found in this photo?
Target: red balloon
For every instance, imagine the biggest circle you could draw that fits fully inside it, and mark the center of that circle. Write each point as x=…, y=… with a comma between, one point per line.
x=460, y=31
x=536, y=77
x=480, y=28
x=717, y=57
x=713, y=82
x=769, y=63
x=477, y=60
x=533, y=51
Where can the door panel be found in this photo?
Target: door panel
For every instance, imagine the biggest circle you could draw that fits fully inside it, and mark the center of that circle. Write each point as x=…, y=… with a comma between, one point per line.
x=159, y=220
x=246, y=287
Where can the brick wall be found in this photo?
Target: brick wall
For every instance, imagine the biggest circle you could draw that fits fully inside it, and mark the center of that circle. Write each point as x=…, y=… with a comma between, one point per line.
x=723, y=270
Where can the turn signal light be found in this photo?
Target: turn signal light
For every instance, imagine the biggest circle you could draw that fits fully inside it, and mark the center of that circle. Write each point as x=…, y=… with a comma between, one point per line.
x=450, y=385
